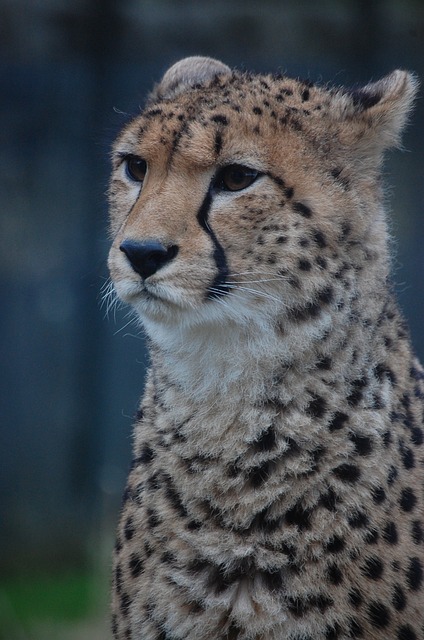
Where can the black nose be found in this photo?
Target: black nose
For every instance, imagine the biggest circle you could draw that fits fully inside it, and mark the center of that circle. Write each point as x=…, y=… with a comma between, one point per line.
x=148, y=256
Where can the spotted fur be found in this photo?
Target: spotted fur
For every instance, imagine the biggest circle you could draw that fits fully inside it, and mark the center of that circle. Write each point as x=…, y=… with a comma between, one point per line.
x=276, y=490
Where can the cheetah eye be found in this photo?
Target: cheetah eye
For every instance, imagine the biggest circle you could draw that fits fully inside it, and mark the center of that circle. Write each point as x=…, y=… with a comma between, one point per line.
x=235, y=177
x=135, y=168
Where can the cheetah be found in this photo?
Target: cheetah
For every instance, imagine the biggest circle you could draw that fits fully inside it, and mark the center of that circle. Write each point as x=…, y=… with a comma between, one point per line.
x=276, y=488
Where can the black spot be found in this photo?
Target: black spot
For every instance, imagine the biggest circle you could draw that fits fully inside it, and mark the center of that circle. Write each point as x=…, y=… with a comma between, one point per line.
x=324, y=364
x=153, y=112
x=325, y=296
x=167, y=557
x=174, y=498
x=332, y=632
x=392, y=475
x=264, y=522
x=273, y=580
x=373, y=568
x=278, y=180
x=152, y=518
x=405, y=632
x=406, y=455
x=390, y=533
x=139, y=415
x=355, y=597
x=356, y=393
x=372, y=536
x=233, y=632
x=321, y=262
x=383, y=371
x=118, y=579
x=118, y=546
x=194, y=525
x=329, y=500
x=317, y=407
x=349, y=473
x=115, y=625
x=417, y=532
x=154, y=482
x=319, y=239
x=378, y=614
x=129, y=529
x=219, y=580
x=260, y=474
x=220, y=119
x=297, y=606
x=266, y=441
x=363, y=444
x=147, y=454
x=335, y=576
x=307, y=312
x=335, y=545
x=417, y=436
x=303, y=209
x=416, y=374
x=135, y=565
x=305, y=95
x=355, y=629
x=257, y=111
x=218, y=142
x=398, y=598
x=414, y=574
x=304, y=265
x=358, y=519
x=299, y=516
x=407, y=499
x=125, y=604
x=338, y=421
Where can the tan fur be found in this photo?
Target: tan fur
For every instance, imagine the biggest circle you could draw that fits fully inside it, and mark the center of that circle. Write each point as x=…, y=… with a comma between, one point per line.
x=277, y=484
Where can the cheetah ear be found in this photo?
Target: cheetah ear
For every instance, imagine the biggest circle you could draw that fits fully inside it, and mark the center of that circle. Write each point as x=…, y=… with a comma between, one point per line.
x=187, y=73
x=373, y=116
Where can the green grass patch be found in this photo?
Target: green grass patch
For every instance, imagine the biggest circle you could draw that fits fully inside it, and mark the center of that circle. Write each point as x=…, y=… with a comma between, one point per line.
x=66, y=597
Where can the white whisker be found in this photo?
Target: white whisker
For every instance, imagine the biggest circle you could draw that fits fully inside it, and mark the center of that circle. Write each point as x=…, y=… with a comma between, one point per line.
x=130, y=321
x=255, y=292
x=109, y=299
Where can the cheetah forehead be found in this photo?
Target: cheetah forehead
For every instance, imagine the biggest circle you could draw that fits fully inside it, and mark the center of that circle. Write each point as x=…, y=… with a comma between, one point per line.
x=360, y=122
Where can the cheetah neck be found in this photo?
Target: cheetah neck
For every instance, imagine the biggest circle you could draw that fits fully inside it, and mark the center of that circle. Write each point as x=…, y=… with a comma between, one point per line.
x=239, y=362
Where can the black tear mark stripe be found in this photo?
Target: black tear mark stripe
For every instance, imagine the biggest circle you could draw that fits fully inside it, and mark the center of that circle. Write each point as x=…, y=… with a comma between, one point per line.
x=218, y=287
x=288, y=191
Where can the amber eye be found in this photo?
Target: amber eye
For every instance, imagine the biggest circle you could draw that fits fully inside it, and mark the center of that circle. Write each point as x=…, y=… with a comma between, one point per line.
x=136, y=168
x=235, y=177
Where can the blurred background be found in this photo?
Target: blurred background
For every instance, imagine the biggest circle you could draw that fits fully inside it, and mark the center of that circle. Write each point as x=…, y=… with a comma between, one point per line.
x=70, y=73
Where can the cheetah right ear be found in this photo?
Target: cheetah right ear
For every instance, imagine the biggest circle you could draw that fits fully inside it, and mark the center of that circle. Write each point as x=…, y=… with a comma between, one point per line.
x=372, y=117
x=187, y=73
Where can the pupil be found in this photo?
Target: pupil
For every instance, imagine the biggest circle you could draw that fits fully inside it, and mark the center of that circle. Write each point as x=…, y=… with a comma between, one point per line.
x=237, y=176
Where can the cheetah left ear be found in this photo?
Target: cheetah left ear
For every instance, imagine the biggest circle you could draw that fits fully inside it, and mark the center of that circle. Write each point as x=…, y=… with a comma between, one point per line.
x=187, y=73
x=373, y=116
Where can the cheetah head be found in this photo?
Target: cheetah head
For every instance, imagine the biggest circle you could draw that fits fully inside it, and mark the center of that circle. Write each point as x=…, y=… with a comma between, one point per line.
x=237, y=197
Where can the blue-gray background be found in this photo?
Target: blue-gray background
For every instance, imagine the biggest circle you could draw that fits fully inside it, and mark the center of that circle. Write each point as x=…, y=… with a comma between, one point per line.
x=71, y=378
